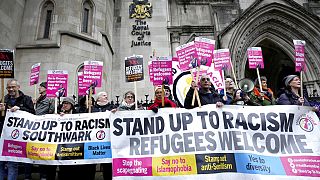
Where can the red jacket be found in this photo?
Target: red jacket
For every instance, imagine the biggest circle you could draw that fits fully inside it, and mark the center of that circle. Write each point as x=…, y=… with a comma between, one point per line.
x=158, y=103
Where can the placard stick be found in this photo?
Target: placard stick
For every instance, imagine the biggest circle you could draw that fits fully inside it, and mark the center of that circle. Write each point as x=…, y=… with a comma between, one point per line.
x=301, y=85
x=2, y=94
x=198, y=98
x=224, y=87
x=87, y=101
x=162, y=95
x=56, y=105
x=195, y=93
x=234, y=74
x=259, y=81
x=35, y=91
x=136, y=95
x=90, y=99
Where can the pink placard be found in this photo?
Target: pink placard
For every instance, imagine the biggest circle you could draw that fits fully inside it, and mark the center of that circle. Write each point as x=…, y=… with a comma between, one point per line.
x=187, y=55
x=57, y=82
x=132, y=166
x=221, y=58
x=81, y=88
x=162, y=71
x=299, y=55
x=92, y=73
x=34, y=75
x=255, y=58
x=204, y=49
x=150, y=71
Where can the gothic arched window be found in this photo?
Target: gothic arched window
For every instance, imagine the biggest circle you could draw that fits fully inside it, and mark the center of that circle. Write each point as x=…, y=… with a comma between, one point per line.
x=45, y=20
x=87, y=17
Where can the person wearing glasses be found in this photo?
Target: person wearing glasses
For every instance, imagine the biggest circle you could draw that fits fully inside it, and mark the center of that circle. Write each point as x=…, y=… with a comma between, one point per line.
x=230, y=90
x=14, y=100
x=207, y=94
x=128, y=102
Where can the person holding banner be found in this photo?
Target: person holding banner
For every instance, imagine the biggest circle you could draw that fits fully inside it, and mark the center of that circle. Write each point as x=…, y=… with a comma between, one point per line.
x=229, y=83
x=102, y=105
x=207, y=94
x=265, y=97
x=43, y=105
x=158, y=101
x=14, y=100
x=67, y=172
x=291, y=94
x=128, y=103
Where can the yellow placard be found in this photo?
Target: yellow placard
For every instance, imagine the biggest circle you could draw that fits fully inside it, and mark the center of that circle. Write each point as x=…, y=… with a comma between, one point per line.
x=174, y=165
x=39, y=151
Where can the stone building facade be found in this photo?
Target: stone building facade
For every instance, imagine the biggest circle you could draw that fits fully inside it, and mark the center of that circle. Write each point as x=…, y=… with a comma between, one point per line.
x=109, y=34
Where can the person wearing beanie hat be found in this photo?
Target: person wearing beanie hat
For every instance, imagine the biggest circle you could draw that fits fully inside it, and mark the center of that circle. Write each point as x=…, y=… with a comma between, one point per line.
x=68, y=106
x=291, y=95
x=265, y=97
x=230, y=90
x=207, y=94
x=158, y=101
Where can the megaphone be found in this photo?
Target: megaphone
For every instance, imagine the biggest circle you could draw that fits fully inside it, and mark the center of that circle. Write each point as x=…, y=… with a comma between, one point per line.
x=246, y=85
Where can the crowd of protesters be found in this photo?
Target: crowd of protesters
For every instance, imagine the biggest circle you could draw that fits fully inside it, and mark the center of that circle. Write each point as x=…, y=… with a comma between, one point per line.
x=17, y=100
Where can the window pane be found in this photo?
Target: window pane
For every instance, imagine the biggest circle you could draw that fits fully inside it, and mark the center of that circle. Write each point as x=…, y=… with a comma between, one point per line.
x=85, y=20
x=47, y=25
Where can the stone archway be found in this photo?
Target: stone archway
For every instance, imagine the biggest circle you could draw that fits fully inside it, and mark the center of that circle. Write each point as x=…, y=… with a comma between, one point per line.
x=273, y=26
x=278, y=64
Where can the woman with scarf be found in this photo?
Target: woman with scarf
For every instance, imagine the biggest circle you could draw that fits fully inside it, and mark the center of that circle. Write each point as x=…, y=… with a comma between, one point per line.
x=128, y=103
x=158, y=101
x=264, y=98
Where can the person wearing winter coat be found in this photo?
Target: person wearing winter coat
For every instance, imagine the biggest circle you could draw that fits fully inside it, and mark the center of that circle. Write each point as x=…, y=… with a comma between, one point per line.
x=207, y=94
x=291, y=95
x=158, y=101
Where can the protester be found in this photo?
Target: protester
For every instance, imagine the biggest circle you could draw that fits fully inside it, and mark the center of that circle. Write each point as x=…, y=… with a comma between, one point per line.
x=291, y=95
x=67, y=172
x=229, y=83
x=14, y=100
x=242, y=98
x=158, y=101
x=265, y=97
x=128, y=103
x=102, y=104
x=44, y=105
x=207, y=94
x=82, y=107
x=168, y=93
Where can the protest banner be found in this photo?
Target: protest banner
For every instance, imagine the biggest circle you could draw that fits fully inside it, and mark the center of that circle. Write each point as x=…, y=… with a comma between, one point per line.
x=299, y=55
x=162, y=71
x=134, y=68
x=6, y=63
x=232, y=142
x=56, y=140
x=92, y=74
x=204, y=49
x=35, y=74
x=57, y=82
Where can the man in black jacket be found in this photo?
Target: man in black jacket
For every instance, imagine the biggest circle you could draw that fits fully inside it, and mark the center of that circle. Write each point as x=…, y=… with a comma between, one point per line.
x=207, y=95
x=14, y=100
